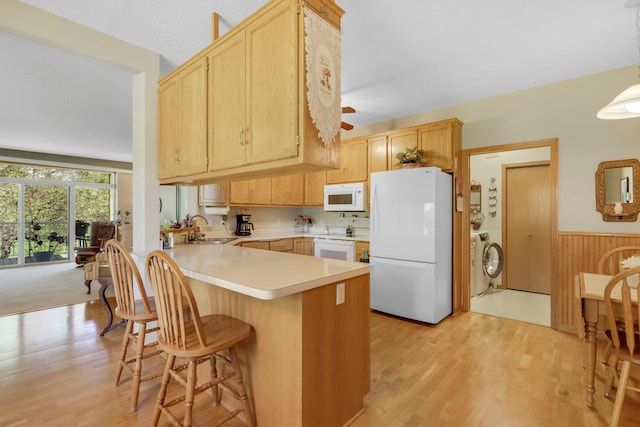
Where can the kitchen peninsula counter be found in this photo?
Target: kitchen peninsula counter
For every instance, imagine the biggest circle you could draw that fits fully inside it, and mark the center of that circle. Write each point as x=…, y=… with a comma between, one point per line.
x=307, y=363
x=258, y=273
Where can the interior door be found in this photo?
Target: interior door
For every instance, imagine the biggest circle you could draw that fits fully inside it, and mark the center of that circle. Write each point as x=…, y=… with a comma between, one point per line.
x=528, y=227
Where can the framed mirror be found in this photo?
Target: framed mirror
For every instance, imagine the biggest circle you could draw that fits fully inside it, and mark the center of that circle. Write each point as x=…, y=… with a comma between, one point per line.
x=475, y=198
x=618, y=190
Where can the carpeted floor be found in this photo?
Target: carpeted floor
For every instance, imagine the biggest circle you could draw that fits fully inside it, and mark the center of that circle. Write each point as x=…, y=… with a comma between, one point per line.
x=43, y=286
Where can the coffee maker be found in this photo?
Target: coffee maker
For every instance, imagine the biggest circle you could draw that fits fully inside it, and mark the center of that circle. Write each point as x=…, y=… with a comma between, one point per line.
x=243, y=225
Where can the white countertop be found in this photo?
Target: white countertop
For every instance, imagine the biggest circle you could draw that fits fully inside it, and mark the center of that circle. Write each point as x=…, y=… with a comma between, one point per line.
x=259, y=273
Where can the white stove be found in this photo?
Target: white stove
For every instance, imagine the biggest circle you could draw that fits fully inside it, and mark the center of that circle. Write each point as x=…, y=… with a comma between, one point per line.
x=334, y=247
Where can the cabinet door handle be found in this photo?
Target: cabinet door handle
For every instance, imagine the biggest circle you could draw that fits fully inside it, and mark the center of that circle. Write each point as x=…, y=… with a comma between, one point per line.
x=241, y=137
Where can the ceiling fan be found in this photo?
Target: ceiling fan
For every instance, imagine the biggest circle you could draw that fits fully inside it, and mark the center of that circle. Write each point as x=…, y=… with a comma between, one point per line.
x=347, y=110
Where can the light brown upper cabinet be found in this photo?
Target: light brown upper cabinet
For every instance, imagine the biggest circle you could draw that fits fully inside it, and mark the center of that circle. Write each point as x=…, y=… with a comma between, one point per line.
x=182, y=122
x=250, y=192
x=378, y=153
x=441, y=141
x=383, y=148
x=618, y=190
x=287, y=190
x=314, y=188
x=227, y=103
x=399, y=141
x=244, y=128
x=213, y=194
x=256, y=103
x=353, y=162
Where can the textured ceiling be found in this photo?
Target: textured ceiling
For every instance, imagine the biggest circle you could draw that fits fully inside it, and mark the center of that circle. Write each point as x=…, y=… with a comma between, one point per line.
x=399, y=58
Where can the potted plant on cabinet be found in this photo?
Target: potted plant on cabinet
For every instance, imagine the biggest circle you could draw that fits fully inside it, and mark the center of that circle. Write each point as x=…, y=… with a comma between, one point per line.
x=410, y=158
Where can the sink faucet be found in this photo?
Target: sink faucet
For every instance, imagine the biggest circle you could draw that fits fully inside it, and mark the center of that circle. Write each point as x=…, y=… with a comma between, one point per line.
x=196, y=235
x=326, y=228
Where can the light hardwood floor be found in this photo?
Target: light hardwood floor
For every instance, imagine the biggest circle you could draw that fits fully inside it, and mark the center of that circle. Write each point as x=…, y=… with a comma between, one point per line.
x=470, y=370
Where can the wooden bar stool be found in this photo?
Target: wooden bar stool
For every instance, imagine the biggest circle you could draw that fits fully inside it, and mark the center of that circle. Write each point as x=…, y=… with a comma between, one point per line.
x=186, y=335
x=124, y=273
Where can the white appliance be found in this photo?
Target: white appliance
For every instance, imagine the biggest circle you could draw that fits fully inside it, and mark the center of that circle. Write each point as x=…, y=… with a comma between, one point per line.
x=334, y=248
x=411, y=243
x=345, y=197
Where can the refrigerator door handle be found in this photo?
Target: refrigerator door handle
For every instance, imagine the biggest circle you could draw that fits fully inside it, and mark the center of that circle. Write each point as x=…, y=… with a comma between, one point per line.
x=372, y=202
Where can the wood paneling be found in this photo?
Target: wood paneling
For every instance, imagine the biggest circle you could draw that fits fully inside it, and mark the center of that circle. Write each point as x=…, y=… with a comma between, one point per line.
x=330, y=364
x=306, y=351
x=580, y=252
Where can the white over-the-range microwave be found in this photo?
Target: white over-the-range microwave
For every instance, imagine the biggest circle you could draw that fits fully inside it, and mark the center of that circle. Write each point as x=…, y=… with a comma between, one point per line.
x=345, y=197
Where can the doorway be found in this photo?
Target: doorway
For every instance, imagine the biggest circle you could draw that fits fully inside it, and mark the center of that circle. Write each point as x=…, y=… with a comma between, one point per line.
x=495, y=217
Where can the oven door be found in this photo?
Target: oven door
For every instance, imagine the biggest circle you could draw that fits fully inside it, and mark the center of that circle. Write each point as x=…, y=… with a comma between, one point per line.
x=335, y=248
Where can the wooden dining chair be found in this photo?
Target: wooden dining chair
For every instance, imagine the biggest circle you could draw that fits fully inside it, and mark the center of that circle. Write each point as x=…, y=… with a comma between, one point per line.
x=101, y=231
x=610, y=264
x=621, y=301
x=194, y=339
x=134, y=306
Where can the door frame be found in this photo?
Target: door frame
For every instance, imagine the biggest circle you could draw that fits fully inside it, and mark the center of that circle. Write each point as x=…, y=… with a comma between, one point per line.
x=552, y=143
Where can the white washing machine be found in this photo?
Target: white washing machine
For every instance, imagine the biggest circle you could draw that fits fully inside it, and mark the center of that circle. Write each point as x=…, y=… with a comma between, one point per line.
x=488, y=262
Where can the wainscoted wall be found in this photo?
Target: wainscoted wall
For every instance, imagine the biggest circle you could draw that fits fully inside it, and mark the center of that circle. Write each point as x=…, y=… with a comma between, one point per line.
x=580, y=252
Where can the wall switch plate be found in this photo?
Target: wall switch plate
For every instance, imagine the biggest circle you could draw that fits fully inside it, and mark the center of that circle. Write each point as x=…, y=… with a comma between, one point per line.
x=340, y=293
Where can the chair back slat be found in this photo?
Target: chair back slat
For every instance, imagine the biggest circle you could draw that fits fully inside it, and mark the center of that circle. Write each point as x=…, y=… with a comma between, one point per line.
x=619, y=305
x=175, y=303
x=126, y=279
x=609, y=263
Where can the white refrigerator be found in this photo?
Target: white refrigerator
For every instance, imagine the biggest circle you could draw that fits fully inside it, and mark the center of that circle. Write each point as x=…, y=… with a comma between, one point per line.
x=411, y=243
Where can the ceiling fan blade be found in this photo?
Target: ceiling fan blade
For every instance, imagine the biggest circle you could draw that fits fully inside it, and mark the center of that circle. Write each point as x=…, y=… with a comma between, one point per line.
x=347, y=110
x=346, y=126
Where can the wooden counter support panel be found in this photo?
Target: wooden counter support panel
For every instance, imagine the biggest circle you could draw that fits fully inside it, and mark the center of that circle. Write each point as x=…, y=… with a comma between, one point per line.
x=306, y=351
x=335, y=353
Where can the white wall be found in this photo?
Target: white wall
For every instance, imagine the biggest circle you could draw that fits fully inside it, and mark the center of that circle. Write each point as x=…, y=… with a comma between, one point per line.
x=31, y=22
x=565, y=110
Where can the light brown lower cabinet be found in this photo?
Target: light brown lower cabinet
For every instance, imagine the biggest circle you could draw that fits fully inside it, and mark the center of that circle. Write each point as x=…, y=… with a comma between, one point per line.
x=299, y=245
x=281, y=245
x=308, y=246
x=256, y=245
x=360, y=246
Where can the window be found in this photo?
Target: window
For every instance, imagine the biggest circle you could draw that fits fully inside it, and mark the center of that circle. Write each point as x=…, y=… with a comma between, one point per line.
x=39, y=205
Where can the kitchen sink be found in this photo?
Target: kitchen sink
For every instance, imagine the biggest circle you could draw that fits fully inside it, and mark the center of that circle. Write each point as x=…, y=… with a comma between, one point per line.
x=212, y=241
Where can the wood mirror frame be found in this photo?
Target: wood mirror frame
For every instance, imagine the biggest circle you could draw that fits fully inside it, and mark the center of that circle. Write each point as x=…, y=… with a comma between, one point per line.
x=629, y=210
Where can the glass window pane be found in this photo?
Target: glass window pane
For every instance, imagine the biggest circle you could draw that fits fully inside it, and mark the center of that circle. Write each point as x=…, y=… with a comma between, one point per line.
x=8, y=224
x=46, y=223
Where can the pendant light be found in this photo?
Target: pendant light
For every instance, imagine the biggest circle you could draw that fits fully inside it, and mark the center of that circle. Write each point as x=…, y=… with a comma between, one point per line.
x=627, y=104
